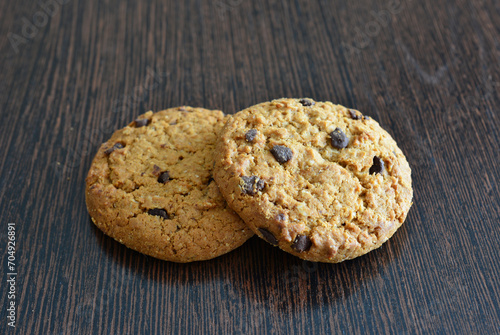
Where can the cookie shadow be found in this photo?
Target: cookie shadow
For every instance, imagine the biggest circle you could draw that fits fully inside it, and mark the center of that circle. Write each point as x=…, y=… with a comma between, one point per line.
x=256, y=276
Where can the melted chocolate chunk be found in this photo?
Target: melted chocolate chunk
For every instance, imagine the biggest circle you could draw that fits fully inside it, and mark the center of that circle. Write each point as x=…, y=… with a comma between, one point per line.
x=306, y=102
x=378, y=165
x=163, y=177
x=113, y=148
x=355, y=115
x=268, y=236
x=366, y=117
x=252, y=185
x=302, y=243
x=339, y=139
x=141, y=122
x=250, y=135
x=159, y=212
x=282, y=153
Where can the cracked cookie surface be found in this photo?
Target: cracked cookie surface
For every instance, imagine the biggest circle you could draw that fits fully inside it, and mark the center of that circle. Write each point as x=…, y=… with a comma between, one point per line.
x=321, y=181
x=150, y=187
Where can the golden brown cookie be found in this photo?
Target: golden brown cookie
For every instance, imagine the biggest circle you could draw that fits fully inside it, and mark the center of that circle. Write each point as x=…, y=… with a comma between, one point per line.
x=319, y=180
x=150, y=187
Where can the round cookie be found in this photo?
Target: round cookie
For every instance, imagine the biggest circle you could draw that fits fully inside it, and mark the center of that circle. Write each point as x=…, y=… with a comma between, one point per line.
x=319, y=180
x=150, y=187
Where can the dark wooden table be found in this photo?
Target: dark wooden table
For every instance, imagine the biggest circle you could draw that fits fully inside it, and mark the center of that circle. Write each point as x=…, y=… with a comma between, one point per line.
x=427, y=70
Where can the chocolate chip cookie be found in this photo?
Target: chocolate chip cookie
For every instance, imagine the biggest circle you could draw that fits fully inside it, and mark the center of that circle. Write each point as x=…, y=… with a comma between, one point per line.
x=321, y=181
x=150, y=187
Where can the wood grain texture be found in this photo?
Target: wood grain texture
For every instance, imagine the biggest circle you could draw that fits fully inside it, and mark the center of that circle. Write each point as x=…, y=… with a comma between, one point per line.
x=427, y=70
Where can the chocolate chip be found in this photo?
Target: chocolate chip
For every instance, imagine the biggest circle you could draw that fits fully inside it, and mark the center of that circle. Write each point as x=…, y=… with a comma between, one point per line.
x=252, y=185
x=282, y=153
x=366, y=117
x=250, y=135
x=113, y=148
x=163, y=177
x=156, y=170
x=378, y=165
x=159, y=212
x=302, y=243
x=355, y=115
x=339, y=139
x=281, y=217
x=210, y=180
x=306, y=102
x=268, y=236
x=141, y=122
